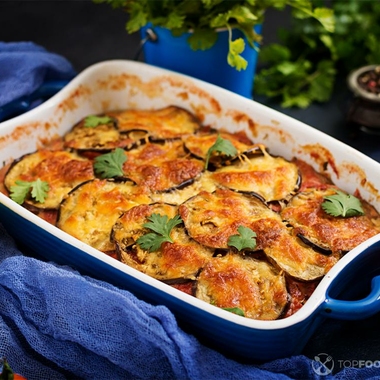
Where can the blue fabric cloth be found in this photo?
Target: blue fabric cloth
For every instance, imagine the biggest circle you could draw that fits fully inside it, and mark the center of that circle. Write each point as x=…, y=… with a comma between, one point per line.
x=25, y=66
x=58, y=324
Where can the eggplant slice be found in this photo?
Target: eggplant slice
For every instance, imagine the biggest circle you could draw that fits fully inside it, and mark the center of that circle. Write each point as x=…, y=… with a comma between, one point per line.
x=162, y=167
x=291, y=254
x=60, y=169
x=181, y=194
x=171, y=122
x=273, y=178
x=211, y=218
x=305, y=214
x=102, y=138
x=90, y=210
x=236, y=281
x=198, y=145
x=181, y=259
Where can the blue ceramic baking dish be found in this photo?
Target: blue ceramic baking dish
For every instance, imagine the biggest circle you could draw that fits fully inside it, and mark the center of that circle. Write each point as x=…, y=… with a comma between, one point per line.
x=118, y=84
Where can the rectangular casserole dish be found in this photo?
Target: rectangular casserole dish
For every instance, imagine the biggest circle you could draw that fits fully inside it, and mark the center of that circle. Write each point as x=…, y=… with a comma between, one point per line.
x=115, y=85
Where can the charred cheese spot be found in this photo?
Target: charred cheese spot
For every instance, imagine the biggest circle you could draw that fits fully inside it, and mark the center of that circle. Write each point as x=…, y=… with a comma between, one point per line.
x=181, y=259
x=89, y=211
x=165, y=123
x=60, y=169
x=161, y=167
x=337, y=234
x=236, y=281
x=211, y=218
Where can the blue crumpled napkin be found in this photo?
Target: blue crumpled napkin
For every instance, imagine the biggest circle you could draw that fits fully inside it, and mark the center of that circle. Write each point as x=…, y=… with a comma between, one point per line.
x=25, y=66
x=57, y=324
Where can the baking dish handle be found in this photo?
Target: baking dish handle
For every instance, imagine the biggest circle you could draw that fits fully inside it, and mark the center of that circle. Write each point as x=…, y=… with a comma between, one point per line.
x=352, y=310
x=23, y=104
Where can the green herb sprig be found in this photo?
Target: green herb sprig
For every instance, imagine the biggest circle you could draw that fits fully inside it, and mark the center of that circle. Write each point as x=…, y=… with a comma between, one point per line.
x=161, y=226
x=303, y=67
x=110, y=165
x=37, y=189
x=93, y=121
x=235, y=310
x=205, y=17
x=221, y=145
x=342, y=204
x=246, y=239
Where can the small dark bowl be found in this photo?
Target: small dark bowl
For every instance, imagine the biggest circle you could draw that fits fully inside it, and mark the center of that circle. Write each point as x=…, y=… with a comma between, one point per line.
x=364, y=109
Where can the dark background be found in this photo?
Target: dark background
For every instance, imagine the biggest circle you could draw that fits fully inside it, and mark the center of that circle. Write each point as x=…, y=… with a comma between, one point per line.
x=86, y=33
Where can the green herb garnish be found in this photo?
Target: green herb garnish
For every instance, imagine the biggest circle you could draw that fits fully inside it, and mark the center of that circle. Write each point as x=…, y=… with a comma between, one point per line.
x=93, y=121
x=245, y=239
x=37, y=189
x=305, y=65
x=221, y=145
x=235, y=310
x=205, y=17
x=162, y=226
x=110, y=165
x=342, y=204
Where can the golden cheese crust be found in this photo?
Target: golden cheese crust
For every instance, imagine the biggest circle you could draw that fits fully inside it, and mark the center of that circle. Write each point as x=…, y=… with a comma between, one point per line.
x=336, y=234
x=273, y=178
x=165, y=123
x=181, y=259
x=199, y=144
x=62, y=170
x=165, y=173
x=236, y=281
x=101, y=138
x=162, y=167
x=211, y=218
x=90, y=210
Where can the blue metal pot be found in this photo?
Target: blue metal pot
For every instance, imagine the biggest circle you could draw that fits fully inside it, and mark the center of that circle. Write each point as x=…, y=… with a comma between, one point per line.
x=174, y=53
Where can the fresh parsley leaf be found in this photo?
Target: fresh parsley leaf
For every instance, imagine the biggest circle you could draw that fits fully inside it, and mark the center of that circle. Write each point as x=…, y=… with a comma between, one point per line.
x=344, y=38
x=342, y=204
x=235, y=310
x=245, y=239
x=234, y=58
x=161, y=227
x=151, y=242
x=37, y=189
x=93, y=121
x=221, y=145
x=110, y=165
x=204, y=17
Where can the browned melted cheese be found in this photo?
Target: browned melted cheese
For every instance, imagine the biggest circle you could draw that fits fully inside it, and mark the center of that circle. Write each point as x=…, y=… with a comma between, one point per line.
x=211, y=218
x=178, y=260
x=199, y=144
x=273, y=178
x=305, y=214
x=90, y=210
x=165, y=123
x=248, y=284
x=165, y=172
x=62, y=170
x=104, y=136
x=161, y=167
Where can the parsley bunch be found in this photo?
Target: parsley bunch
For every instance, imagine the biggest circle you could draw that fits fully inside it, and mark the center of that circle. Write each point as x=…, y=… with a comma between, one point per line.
x=304, y=66
x=204, y=17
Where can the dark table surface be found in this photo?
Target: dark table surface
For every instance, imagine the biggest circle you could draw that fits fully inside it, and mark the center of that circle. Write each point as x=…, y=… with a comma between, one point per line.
x=86, y=33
